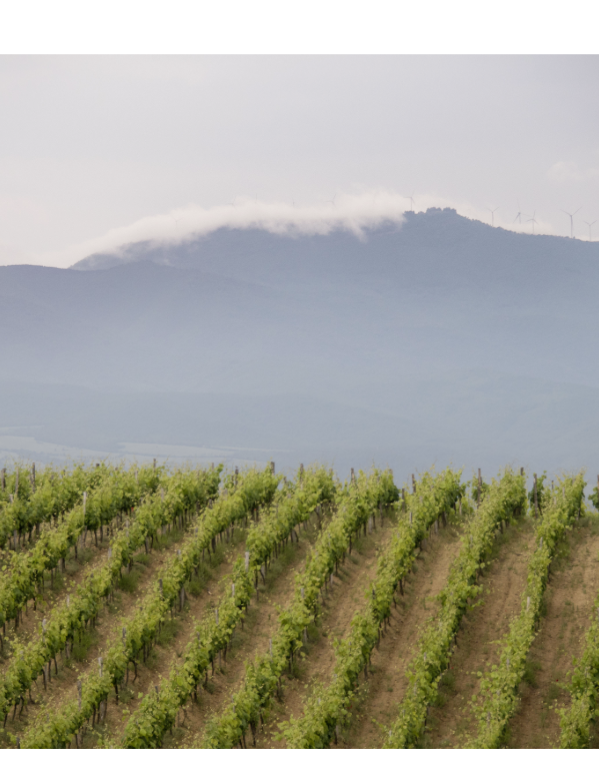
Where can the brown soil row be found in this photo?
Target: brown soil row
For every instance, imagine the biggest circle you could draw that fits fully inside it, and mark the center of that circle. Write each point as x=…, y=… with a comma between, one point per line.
x=378, y=697
x=108, y=623
x=56, y=588
x=346, y=596
x=451, y=719
x=175, y=635
x=572, y=589
x=260, y=624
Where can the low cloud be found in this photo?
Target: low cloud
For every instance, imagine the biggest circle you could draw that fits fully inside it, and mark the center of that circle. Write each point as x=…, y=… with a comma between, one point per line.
x=351, y=212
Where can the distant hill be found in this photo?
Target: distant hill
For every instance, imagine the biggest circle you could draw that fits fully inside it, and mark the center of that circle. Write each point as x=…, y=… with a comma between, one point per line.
x=444, y=339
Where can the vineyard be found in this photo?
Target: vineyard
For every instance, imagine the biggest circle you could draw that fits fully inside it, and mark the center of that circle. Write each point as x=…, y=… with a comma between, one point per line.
x=144, y=607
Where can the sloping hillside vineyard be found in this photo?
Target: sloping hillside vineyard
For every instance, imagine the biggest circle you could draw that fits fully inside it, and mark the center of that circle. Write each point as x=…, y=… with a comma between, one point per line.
x=201, y=608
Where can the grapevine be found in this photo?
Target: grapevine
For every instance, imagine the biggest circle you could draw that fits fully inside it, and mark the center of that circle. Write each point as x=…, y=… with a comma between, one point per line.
x=501, y=501
x=357, y=504
x=498, y=697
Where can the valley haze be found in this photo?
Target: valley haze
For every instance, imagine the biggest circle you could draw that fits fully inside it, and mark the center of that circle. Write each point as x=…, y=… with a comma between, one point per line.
x=411, y=339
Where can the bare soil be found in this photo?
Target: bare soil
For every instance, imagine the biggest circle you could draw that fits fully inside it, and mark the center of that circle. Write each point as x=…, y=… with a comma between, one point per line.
x=378, y=697
x=451, y=719
x=108, y=623
x=348, y=595
x=55, y=589
x=260, y=624
x=175, y=635
x=573, y=587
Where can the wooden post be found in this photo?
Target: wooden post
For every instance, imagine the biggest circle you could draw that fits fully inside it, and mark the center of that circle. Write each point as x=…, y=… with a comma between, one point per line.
x=536, y=498
x=272, y=467
x=16, y=483
x=522, y=471
x=236, y=475
x=33, y=477
x=247, y=560
x=413, y=484
x=353, y=477
x=100, y=665
x=79, y=693
x=154, y=464
x=3, y=478
x=480, y=487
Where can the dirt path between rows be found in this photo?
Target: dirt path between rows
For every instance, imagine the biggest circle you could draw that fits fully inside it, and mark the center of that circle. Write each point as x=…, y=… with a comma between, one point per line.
x=55, y=590
x=108, y=622
x=572, y=589
x=378, y=697
x=342, y=601
x=261, y=623
x=176, y=634
x=451, y=719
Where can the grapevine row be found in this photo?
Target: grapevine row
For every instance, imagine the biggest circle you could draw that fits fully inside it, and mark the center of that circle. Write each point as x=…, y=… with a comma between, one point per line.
x=50, y=496
x=576, y=721
x=20, y=483
x=357, y=504
x=157, y=713
x=183, y=492
x=255, y=489
x=116, y=495
x=501, y=502
x=327, y=707
x=499, y=687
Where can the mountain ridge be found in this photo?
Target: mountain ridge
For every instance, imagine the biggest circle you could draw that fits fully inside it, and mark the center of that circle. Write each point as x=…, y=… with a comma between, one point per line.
x=392, y=325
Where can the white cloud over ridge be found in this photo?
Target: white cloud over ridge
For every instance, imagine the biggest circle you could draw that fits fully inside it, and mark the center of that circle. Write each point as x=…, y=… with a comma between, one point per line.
x=351, y=212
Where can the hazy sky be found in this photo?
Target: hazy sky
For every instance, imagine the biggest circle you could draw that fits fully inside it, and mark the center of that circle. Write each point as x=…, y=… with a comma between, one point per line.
x=93, y=144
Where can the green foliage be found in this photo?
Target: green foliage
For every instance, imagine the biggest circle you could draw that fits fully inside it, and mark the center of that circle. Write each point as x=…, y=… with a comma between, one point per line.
x=502, y=499
x=55, y=494
x=577, y=721
x=356, y=504
x=182, y=491
x=157, y=713
x=327, y=708
x=116, y=494
x=253, y=488
x=498, y=696
x=543, y=494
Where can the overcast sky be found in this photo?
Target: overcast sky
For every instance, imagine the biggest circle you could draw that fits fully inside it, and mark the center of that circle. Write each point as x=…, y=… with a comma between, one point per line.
x=92, y=145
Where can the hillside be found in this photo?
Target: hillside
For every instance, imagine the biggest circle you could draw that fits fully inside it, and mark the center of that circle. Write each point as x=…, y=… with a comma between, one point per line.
x=442, y=340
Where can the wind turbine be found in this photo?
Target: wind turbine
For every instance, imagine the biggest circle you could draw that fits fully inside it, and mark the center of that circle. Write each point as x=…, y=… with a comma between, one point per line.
x=589, y=225
x=518, y=215
x=571, y=215
x=493, y=214
x=534, y=221
x=411, y=199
